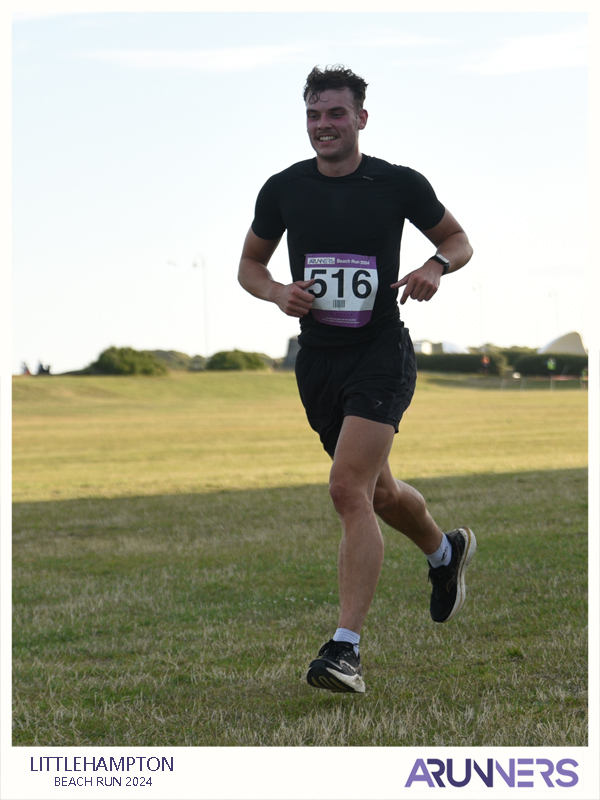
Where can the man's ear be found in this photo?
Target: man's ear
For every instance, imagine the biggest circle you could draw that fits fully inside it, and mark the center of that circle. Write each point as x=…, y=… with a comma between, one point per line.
x=363, y=116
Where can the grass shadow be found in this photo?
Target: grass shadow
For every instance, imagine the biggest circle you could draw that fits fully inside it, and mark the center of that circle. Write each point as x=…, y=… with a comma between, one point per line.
x=189, y=619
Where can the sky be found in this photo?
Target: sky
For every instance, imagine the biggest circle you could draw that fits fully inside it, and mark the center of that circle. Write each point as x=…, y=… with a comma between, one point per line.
x=140, y=141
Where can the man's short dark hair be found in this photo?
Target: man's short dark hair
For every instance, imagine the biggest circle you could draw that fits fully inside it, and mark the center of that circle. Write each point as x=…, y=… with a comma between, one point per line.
x=335, y=77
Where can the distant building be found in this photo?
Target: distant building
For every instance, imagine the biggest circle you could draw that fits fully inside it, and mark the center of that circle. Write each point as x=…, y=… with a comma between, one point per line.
x=293, y=348
x=569, y=344
x=428, y=348
x=424, y=346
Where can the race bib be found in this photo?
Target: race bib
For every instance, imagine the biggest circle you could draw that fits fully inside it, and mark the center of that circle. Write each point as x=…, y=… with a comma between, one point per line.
x=344, y=287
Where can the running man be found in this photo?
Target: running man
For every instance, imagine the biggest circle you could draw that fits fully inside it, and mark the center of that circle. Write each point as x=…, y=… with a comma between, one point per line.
x=344, y=213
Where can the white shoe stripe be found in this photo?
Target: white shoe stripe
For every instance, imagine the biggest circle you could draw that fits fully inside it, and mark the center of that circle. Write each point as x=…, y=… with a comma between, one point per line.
x=354, y=681
x=461, y=589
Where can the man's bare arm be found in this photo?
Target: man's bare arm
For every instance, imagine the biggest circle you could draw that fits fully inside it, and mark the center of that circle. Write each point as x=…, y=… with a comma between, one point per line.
x=256, y=279
x=452, y=242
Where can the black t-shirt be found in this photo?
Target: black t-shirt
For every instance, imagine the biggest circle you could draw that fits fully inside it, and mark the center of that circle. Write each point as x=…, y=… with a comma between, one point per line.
x=361, y=214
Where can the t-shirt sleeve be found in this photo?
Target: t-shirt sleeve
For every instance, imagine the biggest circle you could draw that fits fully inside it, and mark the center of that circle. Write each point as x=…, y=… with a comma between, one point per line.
x=268, y=222
x=425, y=210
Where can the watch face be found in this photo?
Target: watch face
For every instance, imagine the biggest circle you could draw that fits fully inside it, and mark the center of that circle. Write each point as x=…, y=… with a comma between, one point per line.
x=442, y=259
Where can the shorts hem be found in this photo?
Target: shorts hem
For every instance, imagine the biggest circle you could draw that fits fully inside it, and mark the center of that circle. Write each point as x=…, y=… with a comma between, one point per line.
x=351, y=412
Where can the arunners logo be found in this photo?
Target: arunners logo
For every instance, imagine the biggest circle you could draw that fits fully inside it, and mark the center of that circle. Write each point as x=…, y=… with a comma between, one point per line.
x=324, y=260
x=510, y=773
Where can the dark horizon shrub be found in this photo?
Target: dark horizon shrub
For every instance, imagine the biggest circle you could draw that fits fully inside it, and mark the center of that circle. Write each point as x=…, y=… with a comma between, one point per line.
x=536, y=365
x=460, y=362
x=127, y=361
x=175, y=360
x=236, y=360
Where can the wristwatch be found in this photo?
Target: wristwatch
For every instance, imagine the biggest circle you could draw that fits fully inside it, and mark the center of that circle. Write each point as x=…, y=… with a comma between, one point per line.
x=441, y=260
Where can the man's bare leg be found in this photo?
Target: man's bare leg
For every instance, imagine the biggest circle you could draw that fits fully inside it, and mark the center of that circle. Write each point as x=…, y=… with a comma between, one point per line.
x=360, y=456
x=361, y=484
x=402, y=507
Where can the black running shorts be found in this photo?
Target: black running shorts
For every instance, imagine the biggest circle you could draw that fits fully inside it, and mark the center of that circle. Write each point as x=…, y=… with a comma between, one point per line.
x=375, y=381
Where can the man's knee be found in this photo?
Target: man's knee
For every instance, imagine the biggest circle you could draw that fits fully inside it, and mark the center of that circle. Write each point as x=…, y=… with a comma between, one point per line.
x=348, y=496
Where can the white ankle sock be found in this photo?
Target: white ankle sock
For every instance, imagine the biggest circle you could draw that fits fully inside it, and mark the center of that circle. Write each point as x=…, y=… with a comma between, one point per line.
x=442, y=555
x=345, y=635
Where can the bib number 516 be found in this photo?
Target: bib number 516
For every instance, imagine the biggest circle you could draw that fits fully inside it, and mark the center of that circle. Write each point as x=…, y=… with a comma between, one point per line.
x=360, y=286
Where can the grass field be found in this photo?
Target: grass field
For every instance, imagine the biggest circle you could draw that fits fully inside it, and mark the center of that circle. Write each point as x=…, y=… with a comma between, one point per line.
x=174, y=568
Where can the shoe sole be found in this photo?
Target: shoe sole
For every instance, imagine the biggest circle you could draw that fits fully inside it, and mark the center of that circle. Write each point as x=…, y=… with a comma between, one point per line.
x=322, y=677
x=467, y=557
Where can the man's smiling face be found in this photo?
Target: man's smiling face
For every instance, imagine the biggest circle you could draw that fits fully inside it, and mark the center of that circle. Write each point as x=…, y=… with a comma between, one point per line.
x=333, y=123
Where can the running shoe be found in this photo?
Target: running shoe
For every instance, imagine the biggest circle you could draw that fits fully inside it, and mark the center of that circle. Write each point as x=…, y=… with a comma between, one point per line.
x=336, y=668
x=448, y=583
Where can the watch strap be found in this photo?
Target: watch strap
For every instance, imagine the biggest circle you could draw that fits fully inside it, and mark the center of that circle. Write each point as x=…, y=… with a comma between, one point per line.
x=443, y=261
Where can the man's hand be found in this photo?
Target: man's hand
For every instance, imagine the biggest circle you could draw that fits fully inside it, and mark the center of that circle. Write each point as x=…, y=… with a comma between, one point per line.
x=449, y=239
x=292, y=298
x=421, y=284
x=253, y=275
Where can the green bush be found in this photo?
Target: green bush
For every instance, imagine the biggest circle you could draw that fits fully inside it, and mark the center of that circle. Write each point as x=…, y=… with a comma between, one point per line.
x=236, y=359
x=173, y=359
x=537, y=365
x=513, y=353
x=127, y=361
x=460, y=362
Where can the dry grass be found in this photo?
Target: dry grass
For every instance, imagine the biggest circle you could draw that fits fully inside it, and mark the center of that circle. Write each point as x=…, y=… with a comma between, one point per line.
x=168, y=608
x=190, y=620
x=188, y=433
